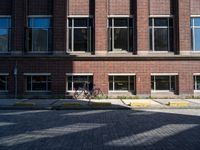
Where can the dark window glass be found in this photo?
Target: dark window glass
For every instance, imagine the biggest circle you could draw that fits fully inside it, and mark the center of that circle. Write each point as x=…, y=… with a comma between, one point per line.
x=80, y=39
x=162, y=82
x=3, y=83
x=111, y=83
x=120, y=22
x=80, y=22
x=161, y=39
x=161, y=22
x=38, y=83
x=152, y=83
x=198, y=82
x=150, y=39
x=4, y=40
x=39, y=39
x=121, y=83
x=79, y=82
x=150, y=22
x=121, y=39
x=132, y=83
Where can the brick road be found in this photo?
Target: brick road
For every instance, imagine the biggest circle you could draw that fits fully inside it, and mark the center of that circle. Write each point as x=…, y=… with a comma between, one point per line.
x=100, y=130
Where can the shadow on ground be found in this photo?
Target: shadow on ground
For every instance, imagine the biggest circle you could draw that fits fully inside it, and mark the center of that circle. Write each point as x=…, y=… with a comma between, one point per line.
x=99, y=130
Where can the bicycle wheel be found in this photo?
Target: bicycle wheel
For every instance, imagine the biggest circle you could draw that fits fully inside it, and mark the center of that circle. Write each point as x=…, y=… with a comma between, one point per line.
x=78, y=93
x=97, y=92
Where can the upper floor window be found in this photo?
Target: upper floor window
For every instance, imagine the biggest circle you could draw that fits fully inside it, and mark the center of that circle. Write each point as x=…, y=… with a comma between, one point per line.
x=161, y=34
x=5, y=27
x=120, y=32
x=39, y=34
x=80, y=34
x=195, y=29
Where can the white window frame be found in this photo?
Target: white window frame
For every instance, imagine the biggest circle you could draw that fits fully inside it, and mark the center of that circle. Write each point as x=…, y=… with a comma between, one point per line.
x=88, y=17
x=37, y=74
x=75, y=74
x=124, y=75
x=9, y=36
x=5, y=75
x=195, y=75
x=170, y=75
x=193, y=27
x=153, y=27
x=39, y=16
x=113, y=27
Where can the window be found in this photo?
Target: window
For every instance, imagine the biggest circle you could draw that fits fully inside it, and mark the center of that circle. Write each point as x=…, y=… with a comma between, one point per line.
x=3, y=83
x=121, y=83
x=5, y=30
x=197, y=83
x=75, y=82
x=120, y=34
x=161, y=34
x=39, y=34
x=80, y=34
x=163, y=83
x=195, y=29
x=38, y=83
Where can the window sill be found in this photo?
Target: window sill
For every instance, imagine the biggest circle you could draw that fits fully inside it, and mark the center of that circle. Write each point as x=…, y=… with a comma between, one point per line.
x=118, y=52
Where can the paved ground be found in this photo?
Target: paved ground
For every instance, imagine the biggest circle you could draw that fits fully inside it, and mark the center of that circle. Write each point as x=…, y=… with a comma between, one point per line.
x=100, y=130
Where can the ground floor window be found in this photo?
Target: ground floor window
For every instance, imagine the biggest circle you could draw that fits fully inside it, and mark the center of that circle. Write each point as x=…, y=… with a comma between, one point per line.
x=75, y=82
x=121, y=83
x=163, y=83
x=41, y=83
x=3, y=83
x=197, y=83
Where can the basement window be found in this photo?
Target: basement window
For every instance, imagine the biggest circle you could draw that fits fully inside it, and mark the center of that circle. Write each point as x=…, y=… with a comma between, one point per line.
x=38, y=83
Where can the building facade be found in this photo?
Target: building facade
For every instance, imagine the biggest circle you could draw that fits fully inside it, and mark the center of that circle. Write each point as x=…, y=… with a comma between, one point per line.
x=49, y=48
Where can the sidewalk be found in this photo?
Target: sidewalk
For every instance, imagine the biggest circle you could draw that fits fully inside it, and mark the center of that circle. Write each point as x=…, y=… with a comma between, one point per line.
x=64, y=104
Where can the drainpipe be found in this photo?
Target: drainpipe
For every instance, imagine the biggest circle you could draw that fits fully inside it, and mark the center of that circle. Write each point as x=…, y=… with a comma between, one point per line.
x=15, y=76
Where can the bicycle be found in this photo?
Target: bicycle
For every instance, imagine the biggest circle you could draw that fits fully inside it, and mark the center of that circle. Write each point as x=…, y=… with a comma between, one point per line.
x=83, y=92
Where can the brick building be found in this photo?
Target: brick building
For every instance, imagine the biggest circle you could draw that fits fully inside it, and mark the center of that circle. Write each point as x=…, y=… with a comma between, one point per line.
x=125, y=47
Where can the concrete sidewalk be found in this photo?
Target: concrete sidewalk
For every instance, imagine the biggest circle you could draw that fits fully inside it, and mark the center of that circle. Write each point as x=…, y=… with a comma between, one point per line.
x=60, y=104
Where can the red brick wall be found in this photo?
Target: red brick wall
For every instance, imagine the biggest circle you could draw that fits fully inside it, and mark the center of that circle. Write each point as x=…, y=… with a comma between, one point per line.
x=59, y=25
x=79, y=7
x=101, y=69
x=142, y=26
x=184, y=26
x=39, y=7
x=101, y=34
x=119, y=7
x=5, y=7
x=195, y=7
x=160, y=7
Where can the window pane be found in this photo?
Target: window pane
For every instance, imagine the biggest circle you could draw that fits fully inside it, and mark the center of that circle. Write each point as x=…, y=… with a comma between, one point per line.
x=161, y=22
x=132, y=83
x=80, y=39
x=121, y=83
x=28, y=88
x=40, y=39
x=110, y=39
x=150, y=39
x=152, y=83
x=3, y=40
x=111, y=83
x=198, y=82
x=196, y=21
x=40, y=83
x=121, y=22
x=82, y=22
x=70, y=39
x=162, y=82
x=173, y=84
x=197, y=39
x=5, y=22
x=161, y=39
x=121, y=39
x=3, y=83
x=39, y=22
x=110, y=22
x=79, y=81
